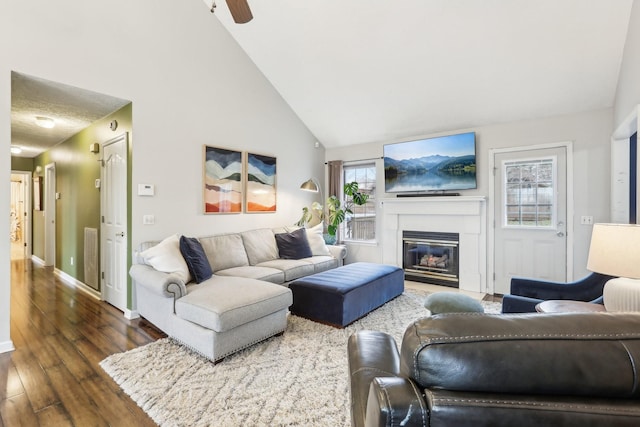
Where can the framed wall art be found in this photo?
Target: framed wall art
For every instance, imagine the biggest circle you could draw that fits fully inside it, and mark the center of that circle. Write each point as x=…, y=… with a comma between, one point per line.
x=261, y=183
x=222, y=183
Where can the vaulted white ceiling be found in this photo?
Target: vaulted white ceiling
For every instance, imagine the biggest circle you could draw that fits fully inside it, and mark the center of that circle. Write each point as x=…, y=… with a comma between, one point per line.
x=358, y=71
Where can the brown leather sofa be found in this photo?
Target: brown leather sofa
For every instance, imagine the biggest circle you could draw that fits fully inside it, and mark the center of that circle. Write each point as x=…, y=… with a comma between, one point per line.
x=575, y=369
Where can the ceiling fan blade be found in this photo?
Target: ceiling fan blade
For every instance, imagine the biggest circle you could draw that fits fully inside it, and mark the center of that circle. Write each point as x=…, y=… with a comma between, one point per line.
x=240, y=11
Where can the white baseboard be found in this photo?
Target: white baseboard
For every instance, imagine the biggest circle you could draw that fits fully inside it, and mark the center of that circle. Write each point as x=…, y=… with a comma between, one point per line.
x=6, y=346
x=131, y=314
x=37, y=261
x=70, y=280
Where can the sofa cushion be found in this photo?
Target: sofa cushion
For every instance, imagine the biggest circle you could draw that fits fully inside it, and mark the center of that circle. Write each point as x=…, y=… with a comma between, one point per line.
x=260, y=245
x=224, y=251
x=195, y=258
x=293, y=245
x=316, y=240
x=255, y=272
x=292, y=268
x=166, y=257
x=223, y=303
x=322, y=263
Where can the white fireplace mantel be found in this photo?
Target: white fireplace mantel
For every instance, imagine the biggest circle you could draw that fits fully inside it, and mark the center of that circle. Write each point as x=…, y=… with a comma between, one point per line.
x=465, y=215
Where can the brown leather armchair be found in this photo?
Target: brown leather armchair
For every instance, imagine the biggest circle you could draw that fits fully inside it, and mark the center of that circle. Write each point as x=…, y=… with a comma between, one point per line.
x=575, y=369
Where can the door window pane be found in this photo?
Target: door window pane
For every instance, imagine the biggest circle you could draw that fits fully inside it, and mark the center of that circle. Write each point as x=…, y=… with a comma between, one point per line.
x=529, y=193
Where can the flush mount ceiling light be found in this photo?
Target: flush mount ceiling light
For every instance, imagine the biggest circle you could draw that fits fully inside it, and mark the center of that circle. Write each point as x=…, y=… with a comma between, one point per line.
x=45, y=122
x=15, y=149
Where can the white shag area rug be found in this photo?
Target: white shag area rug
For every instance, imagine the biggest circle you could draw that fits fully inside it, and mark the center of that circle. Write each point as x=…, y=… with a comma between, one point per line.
x=298, y=379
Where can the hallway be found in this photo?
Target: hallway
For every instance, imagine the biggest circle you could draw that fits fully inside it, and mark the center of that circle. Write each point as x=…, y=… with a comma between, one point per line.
x=53, y=378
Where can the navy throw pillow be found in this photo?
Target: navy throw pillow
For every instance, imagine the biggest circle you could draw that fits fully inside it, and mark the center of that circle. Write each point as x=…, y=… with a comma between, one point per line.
x=293, y=245
x=195, y=258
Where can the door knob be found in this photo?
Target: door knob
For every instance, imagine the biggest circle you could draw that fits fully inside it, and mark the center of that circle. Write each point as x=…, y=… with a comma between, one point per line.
x=560, y=234
x=121, y=234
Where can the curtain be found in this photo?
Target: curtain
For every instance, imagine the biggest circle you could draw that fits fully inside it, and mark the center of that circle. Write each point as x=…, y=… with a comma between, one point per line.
x=335, y=183
x=335, y=179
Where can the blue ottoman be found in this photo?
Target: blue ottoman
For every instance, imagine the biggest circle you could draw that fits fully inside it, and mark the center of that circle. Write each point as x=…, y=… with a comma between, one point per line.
x=341, y=296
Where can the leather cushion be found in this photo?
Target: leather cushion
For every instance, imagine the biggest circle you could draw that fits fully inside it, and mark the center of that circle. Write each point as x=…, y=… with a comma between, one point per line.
x=588, y=354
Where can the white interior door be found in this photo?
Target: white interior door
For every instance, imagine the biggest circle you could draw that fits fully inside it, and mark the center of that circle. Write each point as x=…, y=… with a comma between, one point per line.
x=20, y=231
x=50, y=215
x=530, y=216
x=114, y=222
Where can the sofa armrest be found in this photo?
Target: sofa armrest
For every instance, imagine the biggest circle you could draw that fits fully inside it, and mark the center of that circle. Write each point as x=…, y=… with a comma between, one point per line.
x=519, y=304
x=396, y=402
x=371, y=354
x=339, y=252
x=585, y=289
x=164, y=284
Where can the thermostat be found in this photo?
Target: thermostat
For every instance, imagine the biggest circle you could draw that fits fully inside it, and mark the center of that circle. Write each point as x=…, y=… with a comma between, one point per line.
x=146, y=189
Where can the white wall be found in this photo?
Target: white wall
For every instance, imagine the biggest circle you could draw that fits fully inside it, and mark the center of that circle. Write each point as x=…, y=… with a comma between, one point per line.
x=190, y=84
x=590, y=133
x=628, y=90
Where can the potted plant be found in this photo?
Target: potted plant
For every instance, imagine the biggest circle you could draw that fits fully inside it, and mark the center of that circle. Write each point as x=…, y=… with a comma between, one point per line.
x=337, y=212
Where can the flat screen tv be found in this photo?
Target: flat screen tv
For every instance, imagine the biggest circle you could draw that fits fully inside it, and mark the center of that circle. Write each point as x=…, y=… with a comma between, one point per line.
x=440, y=164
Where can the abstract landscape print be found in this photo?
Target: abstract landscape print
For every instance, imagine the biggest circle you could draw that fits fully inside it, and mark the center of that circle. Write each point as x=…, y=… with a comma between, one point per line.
x=261, y=183
x=222, y=180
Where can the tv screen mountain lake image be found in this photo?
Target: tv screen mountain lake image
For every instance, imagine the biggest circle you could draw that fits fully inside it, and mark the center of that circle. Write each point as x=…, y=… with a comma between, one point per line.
x=433, y=164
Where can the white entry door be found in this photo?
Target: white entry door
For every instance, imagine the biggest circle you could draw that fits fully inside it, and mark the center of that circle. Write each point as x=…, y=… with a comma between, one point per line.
x=530, y=215
x=114, y=222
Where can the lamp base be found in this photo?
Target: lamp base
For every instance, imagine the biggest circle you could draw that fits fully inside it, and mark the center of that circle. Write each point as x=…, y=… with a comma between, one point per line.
x=622, y=294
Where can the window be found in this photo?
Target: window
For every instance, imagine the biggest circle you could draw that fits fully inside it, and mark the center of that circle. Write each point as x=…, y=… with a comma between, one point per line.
x=362, y=224
x=529, y=193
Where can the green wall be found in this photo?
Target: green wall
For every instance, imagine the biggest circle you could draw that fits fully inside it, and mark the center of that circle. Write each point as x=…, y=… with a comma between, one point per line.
x=21, y=164
x=79, y=204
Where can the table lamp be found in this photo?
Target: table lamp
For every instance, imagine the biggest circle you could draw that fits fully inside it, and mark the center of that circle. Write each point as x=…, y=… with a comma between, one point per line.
x=615, y=251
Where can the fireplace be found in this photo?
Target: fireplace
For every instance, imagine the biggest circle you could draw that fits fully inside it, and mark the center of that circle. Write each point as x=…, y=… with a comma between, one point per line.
x=431, y=257
x=465, y=215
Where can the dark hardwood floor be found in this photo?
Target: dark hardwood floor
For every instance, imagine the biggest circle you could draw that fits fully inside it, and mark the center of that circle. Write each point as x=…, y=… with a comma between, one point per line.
x=53, y=378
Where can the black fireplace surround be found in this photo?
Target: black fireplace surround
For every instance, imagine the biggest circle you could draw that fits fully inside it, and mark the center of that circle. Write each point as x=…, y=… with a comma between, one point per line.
x=431, y=257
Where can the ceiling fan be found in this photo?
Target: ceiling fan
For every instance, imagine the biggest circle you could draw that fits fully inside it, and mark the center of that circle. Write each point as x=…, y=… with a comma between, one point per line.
x=239, y=9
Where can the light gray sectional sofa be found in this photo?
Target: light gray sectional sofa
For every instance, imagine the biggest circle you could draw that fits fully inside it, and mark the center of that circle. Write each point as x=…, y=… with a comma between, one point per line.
x=246, y=299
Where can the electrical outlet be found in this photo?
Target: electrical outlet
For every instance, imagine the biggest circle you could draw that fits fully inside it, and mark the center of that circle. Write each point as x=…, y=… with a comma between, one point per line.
x=148, y=219
x=586, y=220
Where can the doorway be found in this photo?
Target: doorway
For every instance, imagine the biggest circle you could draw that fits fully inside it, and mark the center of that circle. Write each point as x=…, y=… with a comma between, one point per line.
x=530, y=215
x=114, y=227
x=50, y=215
x=20, y=218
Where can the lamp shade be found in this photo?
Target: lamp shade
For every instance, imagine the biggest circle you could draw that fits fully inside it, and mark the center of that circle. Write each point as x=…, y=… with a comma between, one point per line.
x=615, y=250
x=309, y=185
